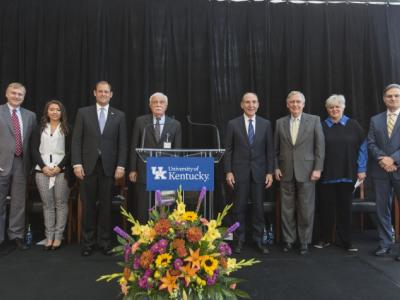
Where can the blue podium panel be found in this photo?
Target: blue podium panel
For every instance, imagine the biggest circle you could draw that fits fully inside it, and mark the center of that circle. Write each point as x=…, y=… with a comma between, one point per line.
x=168, y=173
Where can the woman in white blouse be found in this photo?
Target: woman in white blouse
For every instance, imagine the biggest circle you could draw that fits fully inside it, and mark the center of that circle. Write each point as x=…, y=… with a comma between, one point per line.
x=50, y=150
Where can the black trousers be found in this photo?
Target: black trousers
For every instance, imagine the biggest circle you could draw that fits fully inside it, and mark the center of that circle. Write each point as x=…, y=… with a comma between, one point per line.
x=334, y=204
x=97, y=188
x=140, y=203
x=242, y=192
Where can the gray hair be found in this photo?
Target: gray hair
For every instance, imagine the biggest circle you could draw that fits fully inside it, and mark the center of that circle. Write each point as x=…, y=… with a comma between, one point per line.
x=292, y=93
x=158, y=94
x=391, y=86
x=335, y=100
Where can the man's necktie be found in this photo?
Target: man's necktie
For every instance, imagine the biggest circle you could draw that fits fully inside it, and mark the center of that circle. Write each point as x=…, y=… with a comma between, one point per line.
x=295, y=130
x=102, y=119
x=390, y=123
x=17, y=132
x=251, y=132
x=157, y=129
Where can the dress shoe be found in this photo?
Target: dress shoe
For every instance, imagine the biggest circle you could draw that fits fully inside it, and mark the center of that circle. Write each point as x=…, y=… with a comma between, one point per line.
x=303, y=249
x=263, y=250
x=56, y=245
x=239, y=247
x=321, y=245
x=47, y=247
x=287, y=247
x=21, y=244
x=382, y=251
x=397, y=257
x=87, y=251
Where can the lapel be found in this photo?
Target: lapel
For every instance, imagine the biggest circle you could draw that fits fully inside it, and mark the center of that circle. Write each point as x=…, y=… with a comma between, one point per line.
x=109, y=120
x=24, y=118
x=302, y=128
x=286, y=129
x=5, y=114
x=395, y=128
x=166, y=129
x=242, y=128
x=257, y=135
x=95, y=118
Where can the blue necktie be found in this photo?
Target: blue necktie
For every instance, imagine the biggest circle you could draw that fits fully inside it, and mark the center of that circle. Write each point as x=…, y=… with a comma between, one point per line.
x=102, y=119
x=251, y=132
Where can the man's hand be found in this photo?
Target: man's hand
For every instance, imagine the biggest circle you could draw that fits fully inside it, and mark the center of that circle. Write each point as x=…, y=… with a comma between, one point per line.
x=278, y=174
x=268, y=181
x=390, y=169
x=385, y=161
x=133, y=176
x=361, y=176
x=119, y=173
x=79, y=173
x=315, y=175
x=230, y=179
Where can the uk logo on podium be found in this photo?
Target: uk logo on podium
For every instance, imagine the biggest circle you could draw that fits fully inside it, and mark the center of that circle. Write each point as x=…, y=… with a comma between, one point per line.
x=168, y=173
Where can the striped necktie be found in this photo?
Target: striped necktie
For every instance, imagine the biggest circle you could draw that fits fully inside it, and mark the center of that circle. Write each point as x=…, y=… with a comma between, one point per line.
x=390, y=123
x=17, y=132
x=295, y=130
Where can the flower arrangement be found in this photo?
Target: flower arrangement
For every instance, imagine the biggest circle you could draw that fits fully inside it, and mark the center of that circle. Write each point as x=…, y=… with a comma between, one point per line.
x=177, y=255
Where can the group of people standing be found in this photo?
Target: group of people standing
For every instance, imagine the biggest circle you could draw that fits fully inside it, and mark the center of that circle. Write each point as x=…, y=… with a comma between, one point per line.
x=302, y=151
x=305, y=151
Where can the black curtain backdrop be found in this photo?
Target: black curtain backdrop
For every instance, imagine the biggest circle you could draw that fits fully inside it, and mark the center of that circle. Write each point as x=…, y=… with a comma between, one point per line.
x=203, y=54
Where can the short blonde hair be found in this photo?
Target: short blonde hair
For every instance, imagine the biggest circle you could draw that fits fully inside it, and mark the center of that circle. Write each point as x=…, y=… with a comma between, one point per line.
x=292, y=93
x=335, y=100
x=17, y=85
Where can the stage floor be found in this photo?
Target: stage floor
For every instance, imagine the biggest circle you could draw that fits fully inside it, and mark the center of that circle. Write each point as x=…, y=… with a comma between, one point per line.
x=330, y=273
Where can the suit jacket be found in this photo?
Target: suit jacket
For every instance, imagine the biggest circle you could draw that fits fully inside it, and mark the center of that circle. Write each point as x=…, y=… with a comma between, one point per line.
x=7, y=139
x=379, y=144
x=306, y=155
x=245, y=160
x=65, y=163
x=88, y=143
x=172, y=129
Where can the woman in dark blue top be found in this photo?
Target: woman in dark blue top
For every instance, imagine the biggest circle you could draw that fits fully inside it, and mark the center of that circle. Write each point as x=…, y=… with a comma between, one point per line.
x=345, y=163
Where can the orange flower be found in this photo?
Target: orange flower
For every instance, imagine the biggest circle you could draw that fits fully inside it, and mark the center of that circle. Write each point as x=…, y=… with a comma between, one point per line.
x=223, y=262
x=168, y=282
x=194, y=234
x=178, y=243
x=194, y=258
x=146, y=259
x=187, y=273
x=162, y=227
x=127, y=273
x=181, y=251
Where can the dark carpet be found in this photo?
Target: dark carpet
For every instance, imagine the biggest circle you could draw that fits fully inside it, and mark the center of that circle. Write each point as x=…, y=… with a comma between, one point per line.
x=329, y=273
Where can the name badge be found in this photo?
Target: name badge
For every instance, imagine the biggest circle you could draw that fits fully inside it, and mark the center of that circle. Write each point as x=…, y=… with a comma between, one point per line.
x=167, y=145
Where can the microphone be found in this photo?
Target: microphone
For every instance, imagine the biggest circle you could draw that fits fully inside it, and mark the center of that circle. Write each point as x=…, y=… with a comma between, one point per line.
x=206, y=125
x=144, y=132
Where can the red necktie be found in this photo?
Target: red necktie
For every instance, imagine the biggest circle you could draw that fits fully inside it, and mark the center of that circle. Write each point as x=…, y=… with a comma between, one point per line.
x=17, y=132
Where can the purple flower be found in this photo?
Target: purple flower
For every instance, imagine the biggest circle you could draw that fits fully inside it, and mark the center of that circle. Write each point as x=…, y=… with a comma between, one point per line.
x=158, y=198
x=143, y=282
x=127, y=251
x=213, y=279
x=224, y=249
x=121, y=233
x=178, y=263
x=136, y=263
x=201, y=197
x=148, y=272
x=155, y=248
x=163, y=243
x=232, y=228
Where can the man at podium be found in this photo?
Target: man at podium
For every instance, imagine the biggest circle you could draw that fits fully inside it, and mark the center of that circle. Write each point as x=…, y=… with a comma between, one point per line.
x=249, y=167
x=155, y=130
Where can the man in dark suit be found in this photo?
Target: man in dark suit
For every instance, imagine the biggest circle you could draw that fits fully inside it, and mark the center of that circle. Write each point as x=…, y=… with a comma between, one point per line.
x=16, y=125
x=158, y=131
x=98, y=155
x=384, y=148
x=248, y=167
x=300, y=152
